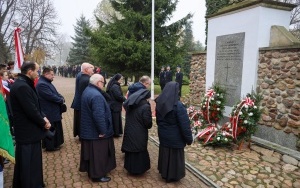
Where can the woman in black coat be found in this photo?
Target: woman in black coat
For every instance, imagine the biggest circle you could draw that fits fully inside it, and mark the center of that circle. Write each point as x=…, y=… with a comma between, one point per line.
x=115, y=92
x=174, y=133
x=135, y=140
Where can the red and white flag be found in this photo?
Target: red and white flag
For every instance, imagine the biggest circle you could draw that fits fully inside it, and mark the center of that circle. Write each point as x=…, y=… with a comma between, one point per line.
x=19, y=55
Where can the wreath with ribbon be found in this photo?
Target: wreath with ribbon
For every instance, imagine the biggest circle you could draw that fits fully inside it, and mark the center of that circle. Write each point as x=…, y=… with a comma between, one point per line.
x=242, y=124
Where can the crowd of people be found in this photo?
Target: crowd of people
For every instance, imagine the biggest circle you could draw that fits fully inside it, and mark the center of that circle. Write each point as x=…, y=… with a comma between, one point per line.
x=36, y=115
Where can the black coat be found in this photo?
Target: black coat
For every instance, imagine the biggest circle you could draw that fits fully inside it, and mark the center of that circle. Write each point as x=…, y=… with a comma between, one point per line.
x=28, y=117
x=138, y=121
x=178, y=78
x=82, y=84
x=76, y=101
x=169, y=76
x=162, y=78
x=117, y=98
x=50, y=99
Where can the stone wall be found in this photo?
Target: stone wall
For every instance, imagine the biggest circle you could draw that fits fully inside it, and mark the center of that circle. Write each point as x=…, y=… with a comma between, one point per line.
x=197, y=78
x=279, y=82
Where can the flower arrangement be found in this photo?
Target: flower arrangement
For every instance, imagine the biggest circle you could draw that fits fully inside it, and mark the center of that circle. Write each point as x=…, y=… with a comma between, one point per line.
x=207, y=129
x=196, y=121
x=244, y=117
x=213, y=104
x=242, y=124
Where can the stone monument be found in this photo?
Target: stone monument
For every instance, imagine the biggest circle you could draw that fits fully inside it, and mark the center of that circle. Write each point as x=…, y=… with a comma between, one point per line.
x=235, y=36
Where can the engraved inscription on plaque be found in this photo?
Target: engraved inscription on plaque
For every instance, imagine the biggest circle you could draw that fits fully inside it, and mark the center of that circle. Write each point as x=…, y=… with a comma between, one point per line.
x=229, y=65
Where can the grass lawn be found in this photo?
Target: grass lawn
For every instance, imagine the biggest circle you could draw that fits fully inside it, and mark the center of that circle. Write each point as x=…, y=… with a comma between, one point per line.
x=185, y=89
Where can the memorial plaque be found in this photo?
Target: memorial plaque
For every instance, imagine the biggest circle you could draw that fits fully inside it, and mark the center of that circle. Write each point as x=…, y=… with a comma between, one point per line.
x=229, y=65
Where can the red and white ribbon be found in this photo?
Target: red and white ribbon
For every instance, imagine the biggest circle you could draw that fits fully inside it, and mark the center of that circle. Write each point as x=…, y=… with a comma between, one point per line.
x=19, y=55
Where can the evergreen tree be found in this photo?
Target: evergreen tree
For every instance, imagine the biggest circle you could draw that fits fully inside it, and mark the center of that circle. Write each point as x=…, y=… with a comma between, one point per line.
x=79, y=53
x=124, y=45
x=188, y=41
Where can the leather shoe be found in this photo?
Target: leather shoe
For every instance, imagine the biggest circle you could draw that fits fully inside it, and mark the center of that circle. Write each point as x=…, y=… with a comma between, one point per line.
x=54, y=149
x=102, y=179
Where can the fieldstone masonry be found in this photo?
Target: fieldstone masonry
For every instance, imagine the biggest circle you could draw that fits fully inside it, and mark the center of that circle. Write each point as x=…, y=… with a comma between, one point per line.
x=278, y=80
x=197, y=78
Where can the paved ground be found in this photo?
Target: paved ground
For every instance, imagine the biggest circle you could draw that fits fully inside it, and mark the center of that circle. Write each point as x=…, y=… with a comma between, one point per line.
x=226, y=167
x=61, y=167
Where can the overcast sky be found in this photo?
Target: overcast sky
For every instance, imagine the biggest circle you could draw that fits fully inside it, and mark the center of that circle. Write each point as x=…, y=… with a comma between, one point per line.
x=69, y=11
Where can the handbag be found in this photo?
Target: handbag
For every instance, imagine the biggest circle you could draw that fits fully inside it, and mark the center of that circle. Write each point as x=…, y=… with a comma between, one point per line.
x=63, y=108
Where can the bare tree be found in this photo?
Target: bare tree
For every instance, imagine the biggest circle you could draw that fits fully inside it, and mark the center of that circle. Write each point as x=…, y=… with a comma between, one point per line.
x=38, y=18
x=7, y=12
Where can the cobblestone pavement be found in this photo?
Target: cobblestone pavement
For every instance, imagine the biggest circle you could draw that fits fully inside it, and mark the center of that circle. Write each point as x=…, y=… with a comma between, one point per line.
x=61, y=167
x=255, y=167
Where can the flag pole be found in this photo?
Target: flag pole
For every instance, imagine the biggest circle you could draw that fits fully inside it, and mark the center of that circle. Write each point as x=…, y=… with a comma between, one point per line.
x=152, y=51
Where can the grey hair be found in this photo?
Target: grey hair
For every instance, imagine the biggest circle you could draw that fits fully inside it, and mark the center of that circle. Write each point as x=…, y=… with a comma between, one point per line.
x=144, y=79
x=95, y=78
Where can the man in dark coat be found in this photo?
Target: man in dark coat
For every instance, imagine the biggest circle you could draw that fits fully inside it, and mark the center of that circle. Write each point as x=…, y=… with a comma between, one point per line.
x=30, y=126
x=178, y=79
x=51, y=102
x=144, y=83
x=169, y=75
x=97, y=156
x=82, y=81
x=162, y=78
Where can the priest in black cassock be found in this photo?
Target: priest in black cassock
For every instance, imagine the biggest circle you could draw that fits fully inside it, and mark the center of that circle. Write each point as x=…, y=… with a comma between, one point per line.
x=82, y=81
x=97, y=156
x=30, y=127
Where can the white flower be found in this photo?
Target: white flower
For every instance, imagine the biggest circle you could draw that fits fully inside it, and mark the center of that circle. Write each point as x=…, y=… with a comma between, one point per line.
x=218, y=102
x=241, y=113
x=208, y=107
x=218, y=109
x=245, y=121
x=250, y=114
x=226, y=139
x=254, y=107
x=246, y=106
x=221, y=96
x=212, y=99
x=223, y=133
x=218, y=138
x=217, y=94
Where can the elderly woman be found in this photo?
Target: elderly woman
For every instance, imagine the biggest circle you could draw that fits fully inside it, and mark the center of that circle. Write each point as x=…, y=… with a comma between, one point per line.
x=174, y=133
x=115, y=92
x=135, y=140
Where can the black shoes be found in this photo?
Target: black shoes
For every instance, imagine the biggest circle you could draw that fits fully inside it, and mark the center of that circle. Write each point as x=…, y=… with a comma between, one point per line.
x=54, y=149
x=102, y=179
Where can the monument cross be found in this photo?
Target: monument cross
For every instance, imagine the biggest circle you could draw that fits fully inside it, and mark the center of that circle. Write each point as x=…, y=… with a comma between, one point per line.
x=227, y=67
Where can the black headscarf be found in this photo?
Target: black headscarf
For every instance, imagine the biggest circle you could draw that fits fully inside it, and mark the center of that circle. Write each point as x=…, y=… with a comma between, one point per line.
x=135, y=99
x=166, y=101
x=113, y=80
